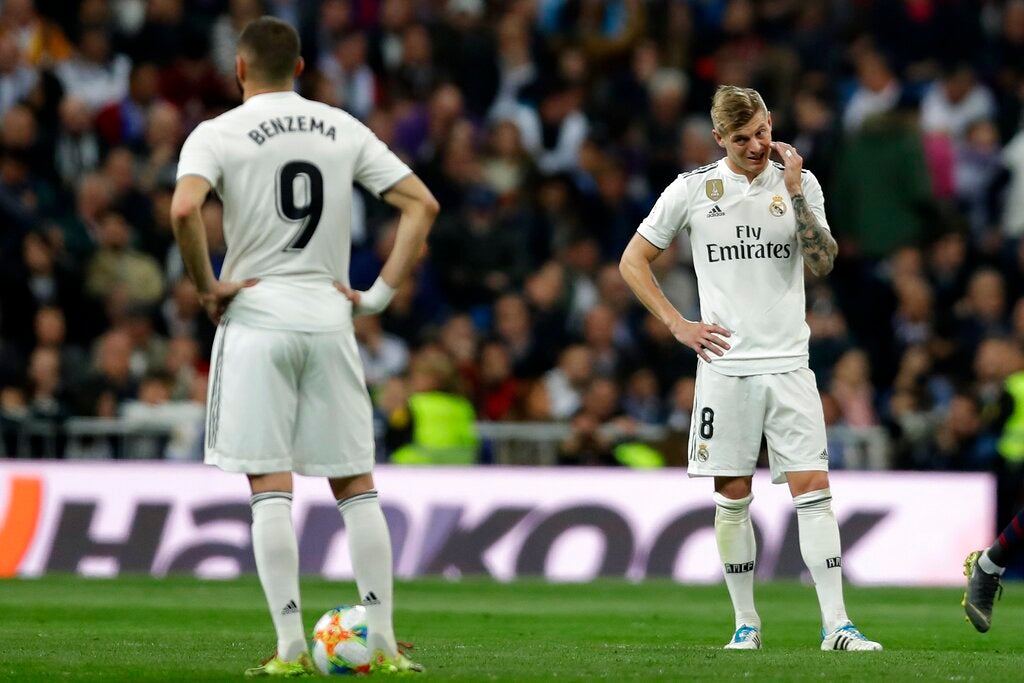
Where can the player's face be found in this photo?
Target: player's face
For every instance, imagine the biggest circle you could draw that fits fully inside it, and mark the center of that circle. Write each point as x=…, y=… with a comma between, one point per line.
x=749, y=147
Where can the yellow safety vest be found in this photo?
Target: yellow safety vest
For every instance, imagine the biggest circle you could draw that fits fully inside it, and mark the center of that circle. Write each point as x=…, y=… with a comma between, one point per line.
x=443, y=431
x=1011, y=443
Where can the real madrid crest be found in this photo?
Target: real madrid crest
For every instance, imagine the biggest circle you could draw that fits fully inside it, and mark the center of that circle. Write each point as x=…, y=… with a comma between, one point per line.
x=702, y=453
x=714, y=189
x=778, y=207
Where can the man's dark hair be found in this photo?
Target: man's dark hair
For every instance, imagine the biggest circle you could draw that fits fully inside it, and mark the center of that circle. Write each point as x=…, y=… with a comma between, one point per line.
x=271, y=49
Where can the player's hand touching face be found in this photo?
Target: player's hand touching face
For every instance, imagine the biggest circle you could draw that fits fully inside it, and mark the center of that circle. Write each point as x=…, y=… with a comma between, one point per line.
x=217, y=299
x=794, y=164
x=701, y=337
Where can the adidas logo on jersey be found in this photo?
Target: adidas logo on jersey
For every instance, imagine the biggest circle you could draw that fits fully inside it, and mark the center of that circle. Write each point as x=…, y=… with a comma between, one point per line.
x=715, y=212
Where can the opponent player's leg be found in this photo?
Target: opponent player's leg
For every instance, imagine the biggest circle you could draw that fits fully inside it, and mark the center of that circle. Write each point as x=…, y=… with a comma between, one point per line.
x=984, y=569
x=737, y=547
x=797, y=450
x=277, y=562
x=725, y=434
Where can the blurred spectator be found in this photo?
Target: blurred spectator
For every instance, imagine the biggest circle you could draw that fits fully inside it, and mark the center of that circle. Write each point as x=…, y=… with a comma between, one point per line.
x=441, y=422
x=955, y=102
x=383, y=355
x=94, y=74
x=78, y=147
x=498, y=391
x=117, y=265
x=17, y=78
x=852, y=390
x=566, y=383
x=226, y=29
x=124, y=122
x=352, y=82
x=878, y=90
x=40, y=40
x=881, y=192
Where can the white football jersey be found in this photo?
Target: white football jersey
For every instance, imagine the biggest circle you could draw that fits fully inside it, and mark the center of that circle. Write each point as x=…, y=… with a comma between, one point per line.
x=284, y=167
x=750, y=272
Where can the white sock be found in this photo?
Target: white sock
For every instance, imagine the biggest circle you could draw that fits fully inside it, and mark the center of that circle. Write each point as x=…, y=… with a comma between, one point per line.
x=277, y=561
x=369, y=544
x=820, y=547
x=738, y=550
x=988, y=566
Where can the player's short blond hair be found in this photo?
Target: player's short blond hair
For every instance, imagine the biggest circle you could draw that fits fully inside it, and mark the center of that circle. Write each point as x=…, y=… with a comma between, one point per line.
x=733, y=107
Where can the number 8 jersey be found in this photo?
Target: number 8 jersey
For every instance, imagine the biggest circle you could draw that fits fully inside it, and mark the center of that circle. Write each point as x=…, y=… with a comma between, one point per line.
x=284, y=168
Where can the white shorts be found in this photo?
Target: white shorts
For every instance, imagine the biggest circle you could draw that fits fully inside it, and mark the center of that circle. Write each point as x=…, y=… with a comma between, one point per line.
x=731, y=413
x=287, y=401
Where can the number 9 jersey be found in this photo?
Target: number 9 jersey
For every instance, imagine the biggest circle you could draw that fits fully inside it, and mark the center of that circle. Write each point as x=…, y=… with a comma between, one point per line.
x=284, y=167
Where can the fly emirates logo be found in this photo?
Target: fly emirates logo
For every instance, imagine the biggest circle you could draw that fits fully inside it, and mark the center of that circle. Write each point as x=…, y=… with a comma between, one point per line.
x=749, y=247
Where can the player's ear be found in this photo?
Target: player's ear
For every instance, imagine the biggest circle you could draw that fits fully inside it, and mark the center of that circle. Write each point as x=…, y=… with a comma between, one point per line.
x=240, y=68
x=300, y=66
x=718, y=138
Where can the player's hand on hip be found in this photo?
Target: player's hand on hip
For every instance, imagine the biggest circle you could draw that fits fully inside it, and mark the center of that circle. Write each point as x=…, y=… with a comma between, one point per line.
x=701, y=337
x=217, y=299
x=794, y=164
x=371, y=301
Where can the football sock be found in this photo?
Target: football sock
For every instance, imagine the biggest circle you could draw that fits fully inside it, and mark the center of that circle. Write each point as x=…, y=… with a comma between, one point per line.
x=821, y=550
x=1009, y=542
x=738, y=550
x=369, y=544
x=277, y=562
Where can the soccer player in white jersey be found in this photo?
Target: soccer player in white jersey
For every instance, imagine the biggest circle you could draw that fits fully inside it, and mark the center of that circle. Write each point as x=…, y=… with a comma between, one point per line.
x=287, y=392
x=753, y=224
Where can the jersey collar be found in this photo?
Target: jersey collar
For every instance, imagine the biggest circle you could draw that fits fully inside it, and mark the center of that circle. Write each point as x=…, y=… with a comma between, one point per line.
x=761, y=178
x=277, y=95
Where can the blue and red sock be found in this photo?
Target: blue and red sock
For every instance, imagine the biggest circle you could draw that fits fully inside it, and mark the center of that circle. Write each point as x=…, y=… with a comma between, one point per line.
x=1009, y=542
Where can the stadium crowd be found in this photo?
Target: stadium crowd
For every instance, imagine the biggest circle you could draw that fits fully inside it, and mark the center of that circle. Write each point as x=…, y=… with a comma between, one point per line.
x=546, y=129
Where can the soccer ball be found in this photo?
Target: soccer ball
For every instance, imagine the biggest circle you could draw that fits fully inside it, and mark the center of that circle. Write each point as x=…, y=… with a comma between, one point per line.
x=339, y=642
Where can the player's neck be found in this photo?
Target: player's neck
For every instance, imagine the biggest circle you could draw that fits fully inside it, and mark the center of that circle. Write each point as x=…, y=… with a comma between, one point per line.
x=261, y=89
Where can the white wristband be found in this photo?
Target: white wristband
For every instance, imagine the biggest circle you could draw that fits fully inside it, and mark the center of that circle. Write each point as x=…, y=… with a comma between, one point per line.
x=375, y=299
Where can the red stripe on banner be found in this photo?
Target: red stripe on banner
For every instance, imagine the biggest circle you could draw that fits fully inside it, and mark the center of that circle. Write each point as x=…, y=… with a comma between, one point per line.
x=20, y=522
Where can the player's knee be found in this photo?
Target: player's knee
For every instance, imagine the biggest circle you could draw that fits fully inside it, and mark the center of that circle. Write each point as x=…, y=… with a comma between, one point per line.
x=801, y=483
x=346, y=487
x=733, y=487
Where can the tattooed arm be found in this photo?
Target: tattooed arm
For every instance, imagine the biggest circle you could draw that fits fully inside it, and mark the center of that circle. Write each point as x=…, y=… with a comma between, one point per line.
x=816, y=243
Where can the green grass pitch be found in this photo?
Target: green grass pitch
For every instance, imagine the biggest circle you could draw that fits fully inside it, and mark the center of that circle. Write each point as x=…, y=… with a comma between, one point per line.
x=179, y=629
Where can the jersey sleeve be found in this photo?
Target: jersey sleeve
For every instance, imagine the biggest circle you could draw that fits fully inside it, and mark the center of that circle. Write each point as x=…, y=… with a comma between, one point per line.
x=377, y=167
x=667, y=217
x=199, y=155
x=815, y=198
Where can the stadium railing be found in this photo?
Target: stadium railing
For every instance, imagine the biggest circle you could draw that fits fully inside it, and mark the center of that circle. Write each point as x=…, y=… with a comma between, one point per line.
x=506, y=443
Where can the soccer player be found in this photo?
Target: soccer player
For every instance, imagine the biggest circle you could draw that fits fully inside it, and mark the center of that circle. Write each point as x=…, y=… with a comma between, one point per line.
x=984, y=569
x=287, y=392
x=752, y=225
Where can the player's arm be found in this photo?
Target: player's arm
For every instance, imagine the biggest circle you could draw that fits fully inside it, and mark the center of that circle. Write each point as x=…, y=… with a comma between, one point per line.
x=190, y=234
x=635, y=267
x=817, y=245
x=418, y=210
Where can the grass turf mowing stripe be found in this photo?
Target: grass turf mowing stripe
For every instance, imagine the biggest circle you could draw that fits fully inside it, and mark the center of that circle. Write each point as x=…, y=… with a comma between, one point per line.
x=144, y=629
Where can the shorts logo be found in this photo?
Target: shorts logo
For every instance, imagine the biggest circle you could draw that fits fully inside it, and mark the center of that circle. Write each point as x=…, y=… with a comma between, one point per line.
x=778, y=207
x=833, y=562
x=714, y=189
x=702, y=453
x=824, y=455
x=739, y=568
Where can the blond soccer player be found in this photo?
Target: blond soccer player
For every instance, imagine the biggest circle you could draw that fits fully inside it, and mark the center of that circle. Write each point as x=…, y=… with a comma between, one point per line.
x=753, y=224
